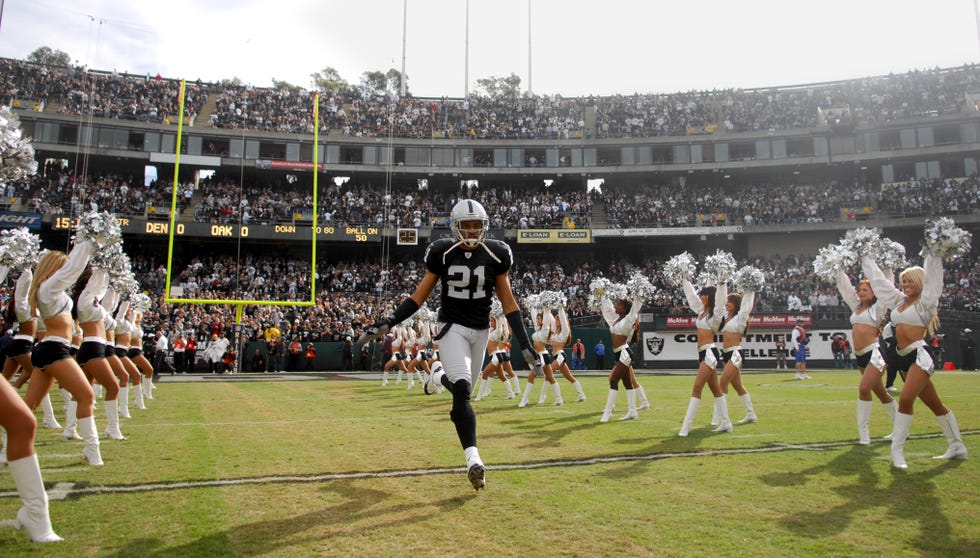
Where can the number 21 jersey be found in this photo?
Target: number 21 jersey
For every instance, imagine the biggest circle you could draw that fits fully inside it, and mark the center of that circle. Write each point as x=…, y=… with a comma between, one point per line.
x=468, y=278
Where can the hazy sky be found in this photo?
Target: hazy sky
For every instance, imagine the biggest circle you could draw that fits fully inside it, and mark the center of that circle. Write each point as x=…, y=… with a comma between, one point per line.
x=577, y=47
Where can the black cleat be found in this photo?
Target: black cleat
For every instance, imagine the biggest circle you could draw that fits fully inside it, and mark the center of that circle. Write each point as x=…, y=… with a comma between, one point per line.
x=477, y=476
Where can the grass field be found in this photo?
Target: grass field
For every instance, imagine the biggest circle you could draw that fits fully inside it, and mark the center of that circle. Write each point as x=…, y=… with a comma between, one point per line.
x=345, y=467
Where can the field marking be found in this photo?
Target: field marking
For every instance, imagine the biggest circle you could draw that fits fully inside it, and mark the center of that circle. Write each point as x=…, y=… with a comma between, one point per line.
x=69, y=490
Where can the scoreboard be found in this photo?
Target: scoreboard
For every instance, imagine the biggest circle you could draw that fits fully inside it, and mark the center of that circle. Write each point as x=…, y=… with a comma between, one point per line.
x=234, y=231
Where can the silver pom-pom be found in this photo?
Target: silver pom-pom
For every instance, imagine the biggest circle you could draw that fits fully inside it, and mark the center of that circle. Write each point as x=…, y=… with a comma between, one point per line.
x=533, y=302
x=640, y=288
x=830, y=259
x=552, y=299
x=749, y=279
x=944, y=239
x=140, y=302
x=890, y=255
x=496, y=309
x=679, y=268
x=617, y=291
x=598, y=287
x=862, y=241
x=19, y=249
x=102, y=228
x=108, y=258
x=704, y=279
x=720, y=266
x=17, y=160
x=121, y=277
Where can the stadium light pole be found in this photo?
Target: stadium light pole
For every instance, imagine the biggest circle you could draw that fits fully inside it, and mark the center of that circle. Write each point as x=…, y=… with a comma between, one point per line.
x=530, y=81
x=976, y=14
x=404, y=36
x=466, y=55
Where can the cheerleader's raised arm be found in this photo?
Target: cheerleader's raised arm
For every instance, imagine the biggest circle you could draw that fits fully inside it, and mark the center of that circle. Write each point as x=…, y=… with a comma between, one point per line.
x=847, y=290
x=883, y=286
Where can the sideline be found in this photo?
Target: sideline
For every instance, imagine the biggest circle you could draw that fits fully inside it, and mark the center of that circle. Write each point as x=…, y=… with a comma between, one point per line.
x=72, y=491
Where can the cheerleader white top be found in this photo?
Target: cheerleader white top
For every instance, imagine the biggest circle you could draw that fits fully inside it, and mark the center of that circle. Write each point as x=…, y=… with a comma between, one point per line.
x=740, y=321
x=89, y=309
x=408, y=337
x=425, y=337
x=21, y=305
x=108, y=305
x=137, y=338
x=562, y=336
x=499, y=334
x=921, y=312
x=710, y=321
x=396, y=338
x=624, y=325
x=542, y=334
x=123, y=327
x=870, y=316
x=52, y=298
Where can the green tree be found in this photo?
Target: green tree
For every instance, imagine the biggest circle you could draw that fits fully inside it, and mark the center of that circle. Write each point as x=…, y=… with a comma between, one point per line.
x=233, y=82
x=277, y=84
x=375, y=81
x=46, y=55
x=500, y=87
x=395, y=81
x=328, y=79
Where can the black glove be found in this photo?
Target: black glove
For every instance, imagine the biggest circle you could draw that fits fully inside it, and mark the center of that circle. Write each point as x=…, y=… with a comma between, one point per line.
x=374, y=332
x=534, y=360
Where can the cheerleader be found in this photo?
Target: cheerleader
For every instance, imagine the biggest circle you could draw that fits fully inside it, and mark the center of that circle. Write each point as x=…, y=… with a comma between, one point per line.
x=70, y=432
x=417, y=351
x=542, y=333
x=19, y=427
x=55, y=273
x=914, y=313
x=109, y=303
x=135, y=354
x=621, y=317
x=499, y=353
x=89, y=290
x=866, y=314
x=738, y=307
x=124, y=332
x=398, y=357
x=560, y=337
x=707, y=304
x=19, y=350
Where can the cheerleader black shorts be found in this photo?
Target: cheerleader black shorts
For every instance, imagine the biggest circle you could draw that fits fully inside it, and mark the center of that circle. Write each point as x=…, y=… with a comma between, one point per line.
x=90, y=350
x=19, y=347
x=119, y=351
x=134, y=352
x=47, y=353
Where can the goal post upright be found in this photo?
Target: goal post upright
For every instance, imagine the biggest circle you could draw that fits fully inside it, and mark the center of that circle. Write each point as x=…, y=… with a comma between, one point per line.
x=240, y=303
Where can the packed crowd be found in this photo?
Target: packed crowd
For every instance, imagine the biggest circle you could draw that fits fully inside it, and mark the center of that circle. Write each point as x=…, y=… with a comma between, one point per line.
x=361, y=204
x=353, y=294
x=226, y=200
x=765, y=204
x=61, y=193
x=101, y=94
x=361, y=111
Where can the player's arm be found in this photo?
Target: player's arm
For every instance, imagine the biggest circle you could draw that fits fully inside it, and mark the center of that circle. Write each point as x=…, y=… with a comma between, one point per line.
x=516, y=321
x=404, y=310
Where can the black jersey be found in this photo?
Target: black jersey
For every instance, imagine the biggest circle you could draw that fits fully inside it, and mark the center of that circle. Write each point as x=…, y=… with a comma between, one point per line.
x=468, y=278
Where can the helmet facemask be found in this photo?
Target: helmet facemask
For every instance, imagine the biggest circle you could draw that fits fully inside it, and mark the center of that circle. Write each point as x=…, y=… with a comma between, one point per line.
x=469, y=223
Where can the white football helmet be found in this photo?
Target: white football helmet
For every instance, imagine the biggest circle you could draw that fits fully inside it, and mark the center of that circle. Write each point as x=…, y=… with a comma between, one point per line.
x=465, y=211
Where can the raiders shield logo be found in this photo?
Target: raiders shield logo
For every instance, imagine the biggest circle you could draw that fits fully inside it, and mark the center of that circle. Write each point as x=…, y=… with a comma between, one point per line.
x=467, y=254
x=655, y=344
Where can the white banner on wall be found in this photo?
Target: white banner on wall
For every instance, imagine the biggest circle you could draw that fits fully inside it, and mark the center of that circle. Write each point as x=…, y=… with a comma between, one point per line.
x=682, y=345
